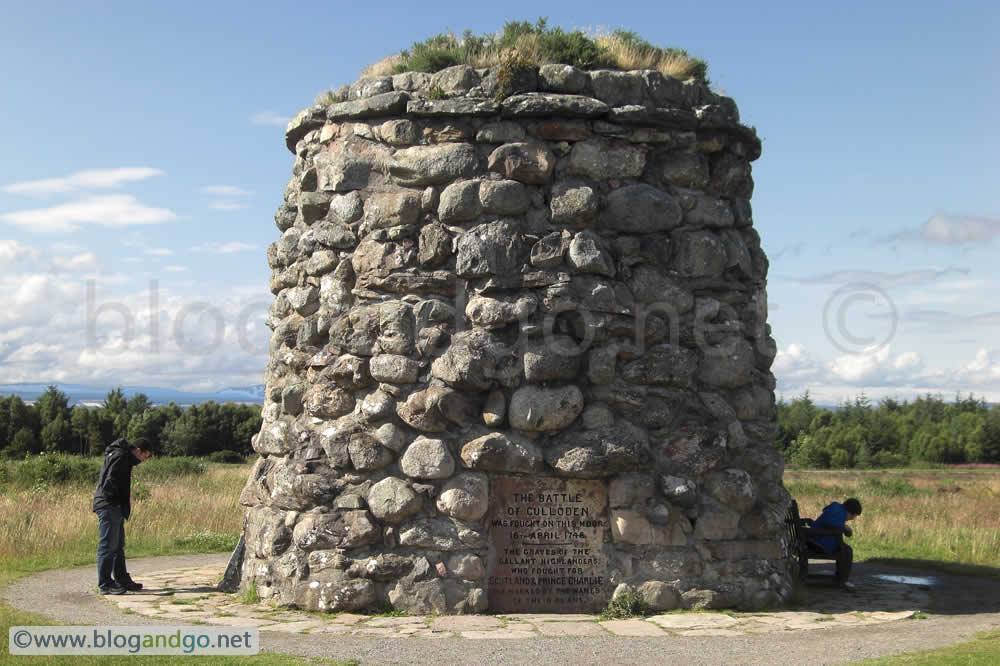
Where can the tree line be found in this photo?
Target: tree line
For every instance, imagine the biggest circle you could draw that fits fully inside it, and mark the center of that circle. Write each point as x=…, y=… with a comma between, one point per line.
x=889, y=433
x=51, y=425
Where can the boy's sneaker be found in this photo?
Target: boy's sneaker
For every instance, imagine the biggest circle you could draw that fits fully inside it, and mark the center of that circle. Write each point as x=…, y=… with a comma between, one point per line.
x=847, y=586
x=132, y=586
x=114, y=589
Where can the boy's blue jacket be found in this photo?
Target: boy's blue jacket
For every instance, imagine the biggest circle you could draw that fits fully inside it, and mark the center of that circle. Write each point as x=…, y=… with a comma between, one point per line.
x=834, y=516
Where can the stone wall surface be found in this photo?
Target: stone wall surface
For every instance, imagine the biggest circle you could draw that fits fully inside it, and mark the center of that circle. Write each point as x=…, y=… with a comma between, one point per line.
x=471, y=294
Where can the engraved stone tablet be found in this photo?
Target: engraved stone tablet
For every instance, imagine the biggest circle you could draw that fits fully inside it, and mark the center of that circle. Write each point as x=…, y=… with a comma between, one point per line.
x=547, y=545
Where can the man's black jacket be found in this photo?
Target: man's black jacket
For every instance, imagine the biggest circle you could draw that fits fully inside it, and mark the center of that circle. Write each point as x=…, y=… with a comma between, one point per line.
x=114, y=484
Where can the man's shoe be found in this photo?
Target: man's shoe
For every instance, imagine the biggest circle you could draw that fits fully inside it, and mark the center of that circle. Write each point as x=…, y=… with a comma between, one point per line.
x=114, y=589
x=132, y=586
x=847, y=586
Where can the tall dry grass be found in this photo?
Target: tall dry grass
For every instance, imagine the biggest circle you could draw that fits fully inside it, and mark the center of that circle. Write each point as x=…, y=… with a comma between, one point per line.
x=627, y=56
x=53, y=526
x=941, y=515
x=616, y=53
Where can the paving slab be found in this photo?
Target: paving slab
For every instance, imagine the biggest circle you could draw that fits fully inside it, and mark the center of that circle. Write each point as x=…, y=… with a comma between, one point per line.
x=329, y=629
x=694, y=621
x=294, y=627
x=458, y=623
x=394, y=621
x=499, y=634
x=347, y=618
x=520, y=626
x=570, y=629
x=550, y=617
x=633, y=627
x=228, y=621
x=710, y=632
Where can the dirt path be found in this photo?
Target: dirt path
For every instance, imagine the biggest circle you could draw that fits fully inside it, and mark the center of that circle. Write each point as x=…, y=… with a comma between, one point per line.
x=832, y=628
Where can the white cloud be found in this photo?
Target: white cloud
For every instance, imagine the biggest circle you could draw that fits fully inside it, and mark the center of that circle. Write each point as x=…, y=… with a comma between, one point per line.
x=159, y=252
x=907, y=362
x=226, y=248
x=880, y=373
x=883, y=280
x=175, y=269
x=227, y=205
x=111, y=211
x=952, y=230
x=225, y=190
x=52, y=327
x=270, y=118
x=794, y=362
x=83, y=180
x=78, y=263
x=233, y=247
x=981, y=362
x=12, y=251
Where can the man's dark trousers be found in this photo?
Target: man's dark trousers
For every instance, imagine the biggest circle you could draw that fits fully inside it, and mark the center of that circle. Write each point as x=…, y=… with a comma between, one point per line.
x=845, y=558
x=111, y=548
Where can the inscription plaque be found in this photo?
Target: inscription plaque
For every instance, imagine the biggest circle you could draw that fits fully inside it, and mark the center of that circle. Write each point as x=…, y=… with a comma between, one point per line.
x=546, y=540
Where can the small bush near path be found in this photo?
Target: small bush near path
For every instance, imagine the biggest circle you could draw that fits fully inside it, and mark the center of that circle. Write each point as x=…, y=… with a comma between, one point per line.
x=625, y=606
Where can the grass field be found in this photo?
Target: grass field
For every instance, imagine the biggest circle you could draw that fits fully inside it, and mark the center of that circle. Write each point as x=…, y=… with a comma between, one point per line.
x=940, y=515
x=943, y=517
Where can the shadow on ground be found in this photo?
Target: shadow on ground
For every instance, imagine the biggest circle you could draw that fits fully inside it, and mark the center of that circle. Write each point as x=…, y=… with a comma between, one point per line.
x=941, y=588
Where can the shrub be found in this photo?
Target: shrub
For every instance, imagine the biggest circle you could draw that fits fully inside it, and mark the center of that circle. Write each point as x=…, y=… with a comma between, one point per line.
x=437, y=93
x=54, y=469
x=227, y=457
x=890, y=488
x=625, y=606
x=140, y=491
x=207, y=541
x=157, y=469
x=384, y=608
x=250, y=596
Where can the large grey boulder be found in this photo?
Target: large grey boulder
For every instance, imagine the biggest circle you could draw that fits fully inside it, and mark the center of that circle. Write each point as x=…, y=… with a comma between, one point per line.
x=427, y=459
x=465, y=497
x=535, y=408
x=495, y=248
x=500, y=452
x=641, y=209
x=393, y=500
x=433, y=165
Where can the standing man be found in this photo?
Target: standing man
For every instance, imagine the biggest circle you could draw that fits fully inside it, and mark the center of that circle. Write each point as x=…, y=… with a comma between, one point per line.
x=835, y=517
x=112, y=504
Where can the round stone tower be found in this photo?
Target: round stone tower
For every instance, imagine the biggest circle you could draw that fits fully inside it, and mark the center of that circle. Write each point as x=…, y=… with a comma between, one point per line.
x=520, y=358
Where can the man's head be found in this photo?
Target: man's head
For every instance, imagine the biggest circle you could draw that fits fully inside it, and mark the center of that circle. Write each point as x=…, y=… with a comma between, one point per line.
x=142, y=449
x=853, y=507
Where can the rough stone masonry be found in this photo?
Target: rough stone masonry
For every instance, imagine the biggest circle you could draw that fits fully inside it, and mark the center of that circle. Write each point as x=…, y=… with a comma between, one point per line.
x=520, y=357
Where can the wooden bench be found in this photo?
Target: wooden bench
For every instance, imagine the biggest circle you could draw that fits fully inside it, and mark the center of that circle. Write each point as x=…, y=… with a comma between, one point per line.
x=799, y=531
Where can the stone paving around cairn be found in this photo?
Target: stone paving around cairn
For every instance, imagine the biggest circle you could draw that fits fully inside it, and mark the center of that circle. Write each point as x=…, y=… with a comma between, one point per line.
x=188, y=596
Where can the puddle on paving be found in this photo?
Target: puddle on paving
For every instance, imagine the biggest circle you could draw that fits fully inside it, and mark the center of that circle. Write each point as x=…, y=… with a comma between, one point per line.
x=922, y=581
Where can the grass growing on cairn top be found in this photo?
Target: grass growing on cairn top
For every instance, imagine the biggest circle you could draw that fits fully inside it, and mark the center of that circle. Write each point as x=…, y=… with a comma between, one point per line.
x=539, y=44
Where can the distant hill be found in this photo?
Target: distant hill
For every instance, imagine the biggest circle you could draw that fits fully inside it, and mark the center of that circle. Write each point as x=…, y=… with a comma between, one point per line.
x=159, y=396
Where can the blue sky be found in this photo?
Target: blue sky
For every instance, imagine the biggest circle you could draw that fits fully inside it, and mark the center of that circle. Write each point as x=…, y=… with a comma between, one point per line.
x=143, y=157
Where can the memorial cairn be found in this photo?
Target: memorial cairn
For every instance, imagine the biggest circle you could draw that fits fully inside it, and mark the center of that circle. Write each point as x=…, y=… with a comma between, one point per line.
x=520, y=358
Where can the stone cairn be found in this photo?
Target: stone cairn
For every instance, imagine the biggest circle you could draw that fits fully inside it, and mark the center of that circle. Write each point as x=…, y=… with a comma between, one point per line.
x=520, y=358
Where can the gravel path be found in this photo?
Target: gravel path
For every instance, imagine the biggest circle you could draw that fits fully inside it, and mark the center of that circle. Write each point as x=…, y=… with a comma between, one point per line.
x=958, y=607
